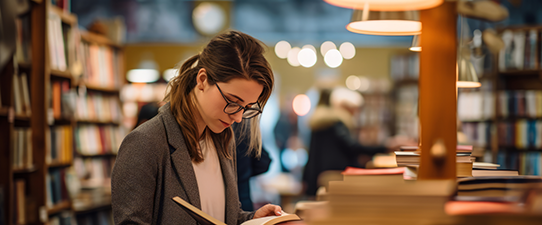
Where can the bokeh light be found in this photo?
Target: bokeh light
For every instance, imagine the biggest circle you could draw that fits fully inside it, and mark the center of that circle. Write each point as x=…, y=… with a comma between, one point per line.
x=307, y=57
x=326, y=46
x=347, y=50
x=292, y=56
x=333, y=58
x=282, y=48
x=301, y=105
x=353, y=82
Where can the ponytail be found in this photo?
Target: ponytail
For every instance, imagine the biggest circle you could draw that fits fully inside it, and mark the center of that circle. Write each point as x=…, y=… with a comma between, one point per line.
x=183, y=104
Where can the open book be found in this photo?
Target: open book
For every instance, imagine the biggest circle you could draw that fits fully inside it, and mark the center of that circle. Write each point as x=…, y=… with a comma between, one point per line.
x=205, y=219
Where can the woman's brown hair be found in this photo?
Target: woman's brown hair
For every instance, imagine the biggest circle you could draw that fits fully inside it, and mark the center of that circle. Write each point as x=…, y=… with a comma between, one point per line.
x=228, y=56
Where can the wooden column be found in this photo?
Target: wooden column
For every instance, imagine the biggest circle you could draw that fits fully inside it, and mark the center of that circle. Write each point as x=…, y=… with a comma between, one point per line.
x=438, y=92
x=38, y=82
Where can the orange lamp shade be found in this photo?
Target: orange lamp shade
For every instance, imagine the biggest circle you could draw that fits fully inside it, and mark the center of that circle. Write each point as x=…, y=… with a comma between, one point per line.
x=400, y=23
x=387, y=5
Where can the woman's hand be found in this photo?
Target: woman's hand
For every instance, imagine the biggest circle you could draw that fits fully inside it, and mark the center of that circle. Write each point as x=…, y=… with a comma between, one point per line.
x=268, y=210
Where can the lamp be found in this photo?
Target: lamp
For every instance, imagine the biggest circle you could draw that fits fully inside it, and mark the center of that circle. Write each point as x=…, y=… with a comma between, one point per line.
x=387, y=5
x=466, y=75
x=415, y=46
x=147, y=71
x=389, y=23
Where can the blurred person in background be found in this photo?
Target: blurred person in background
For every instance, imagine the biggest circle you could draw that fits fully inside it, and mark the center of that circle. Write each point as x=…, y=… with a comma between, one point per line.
x=147, y=112
x=187, y=150
x=332, y=145
x=248, y=165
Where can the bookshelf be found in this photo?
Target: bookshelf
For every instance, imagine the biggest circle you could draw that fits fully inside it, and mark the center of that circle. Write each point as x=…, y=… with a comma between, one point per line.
x=508, y=122
x=98, y=131
x=40, y=90
x=374, y=119
x=405, y=73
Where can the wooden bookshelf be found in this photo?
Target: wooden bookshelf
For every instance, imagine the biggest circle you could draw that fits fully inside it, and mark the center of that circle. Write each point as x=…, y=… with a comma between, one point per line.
x=514, y=83
x=61, y=74
x=25, y=170
x=4, y=111
x=102, y=89
x=59, y=207
x=110, y=154
x=98, y=122
x=520, y=72
x=25, y=65
x=98, y=39
x=59, y=164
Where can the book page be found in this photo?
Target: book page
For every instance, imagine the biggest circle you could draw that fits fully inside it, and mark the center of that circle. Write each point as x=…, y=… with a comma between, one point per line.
x=270, y=220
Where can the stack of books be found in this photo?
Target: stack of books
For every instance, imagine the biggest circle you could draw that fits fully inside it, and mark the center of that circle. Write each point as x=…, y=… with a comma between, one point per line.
x=409, y=157
x=382, y=196
x=497, y=186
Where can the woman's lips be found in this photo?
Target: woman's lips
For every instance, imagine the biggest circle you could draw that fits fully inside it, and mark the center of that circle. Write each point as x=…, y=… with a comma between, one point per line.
x=225, y=124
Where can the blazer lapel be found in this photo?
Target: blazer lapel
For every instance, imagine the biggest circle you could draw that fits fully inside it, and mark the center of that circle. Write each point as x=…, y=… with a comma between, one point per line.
x=230, y=184
x=180, y=158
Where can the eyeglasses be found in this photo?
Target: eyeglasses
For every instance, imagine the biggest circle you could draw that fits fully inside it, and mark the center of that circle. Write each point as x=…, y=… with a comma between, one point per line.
x=250, y=111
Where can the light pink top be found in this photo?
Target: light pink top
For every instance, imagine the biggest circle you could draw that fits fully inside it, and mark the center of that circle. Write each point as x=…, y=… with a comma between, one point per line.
x=210, y=182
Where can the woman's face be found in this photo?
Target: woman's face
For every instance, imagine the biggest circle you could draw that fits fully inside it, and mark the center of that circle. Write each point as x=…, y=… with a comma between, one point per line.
x=211, y=103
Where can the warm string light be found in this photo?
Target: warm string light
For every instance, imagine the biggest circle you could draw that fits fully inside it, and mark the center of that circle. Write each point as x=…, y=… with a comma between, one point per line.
x=307, y=56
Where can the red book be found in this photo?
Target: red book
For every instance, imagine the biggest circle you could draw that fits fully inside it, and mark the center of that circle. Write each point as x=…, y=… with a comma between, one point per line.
x=454, y=208
x=359, y=171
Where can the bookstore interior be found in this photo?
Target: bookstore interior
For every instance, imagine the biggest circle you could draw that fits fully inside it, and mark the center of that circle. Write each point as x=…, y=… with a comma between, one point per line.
x=77, y=76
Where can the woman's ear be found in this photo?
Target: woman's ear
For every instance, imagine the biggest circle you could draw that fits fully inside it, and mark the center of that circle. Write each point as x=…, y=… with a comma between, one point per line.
x=201, y=79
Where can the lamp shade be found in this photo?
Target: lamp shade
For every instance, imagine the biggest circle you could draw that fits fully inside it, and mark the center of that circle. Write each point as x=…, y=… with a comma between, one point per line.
x=395, y=23
x=415, y=46
x=387, y=5
x=466, y=75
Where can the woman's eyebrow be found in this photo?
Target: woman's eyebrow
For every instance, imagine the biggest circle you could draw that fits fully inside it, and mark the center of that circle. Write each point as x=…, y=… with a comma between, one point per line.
x=240, y=99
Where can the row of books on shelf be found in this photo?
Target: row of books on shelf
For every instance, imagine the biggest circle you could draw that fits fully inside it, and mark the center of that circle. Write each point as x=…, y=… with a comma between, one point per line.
x=98, y=139
x=21, y=204
x=98, y=107
x=93, y=106
x=475, y=105
x=57, y=35
x=65, y=217
x=22, y=148
x=478, y=133
x=102, y=65
x=56, y=188
x=376, y=110
x=527, y=163
x=405, y=67
x=520, y=103
x=21, y=95
x=94, y=172
x=60, y=145
x=521, y=50
x=62, y=99
x=23, y=52
x=65, y=5
x=516, y=103
x=521, y=134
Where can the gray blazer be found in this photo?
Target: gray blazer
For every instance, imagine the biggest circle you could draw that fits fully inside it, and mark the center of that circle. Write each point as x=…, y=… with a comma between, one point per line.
x=153, y=166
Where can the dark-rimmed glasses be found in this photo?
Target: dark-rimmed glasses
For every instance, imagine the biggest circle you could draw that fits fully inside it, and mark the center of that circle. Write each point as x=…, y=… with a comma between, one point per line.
x=252, y=109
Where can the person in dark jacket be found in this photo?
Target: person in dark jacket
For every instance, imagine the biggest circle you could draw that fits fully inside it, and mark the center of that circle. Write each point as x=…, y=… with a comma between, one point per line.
x=332, y=147
x=248, y=165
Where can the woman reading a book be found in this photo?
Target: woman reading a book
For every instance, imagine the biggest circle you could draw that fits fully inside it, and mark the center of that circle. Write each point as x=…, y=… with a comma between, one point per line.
x=187, y=150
